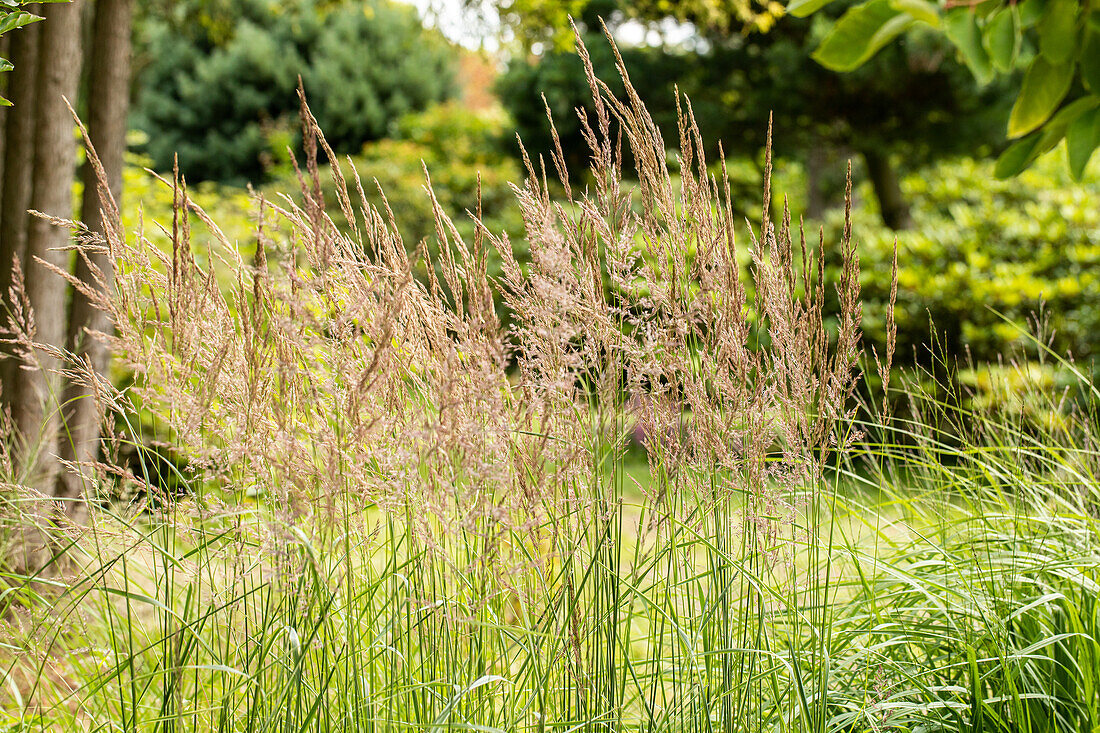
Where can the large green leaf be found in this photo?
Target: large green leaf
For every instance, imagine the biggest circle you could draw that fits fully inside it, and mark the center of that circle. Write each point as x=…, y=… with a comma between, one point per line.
x=961, y=28
x=11, y=21
x=5, y=65
x=1031, y=11
x=1023, y=153
x=922, y=10
x=860, y=33
x=802, y=8
x=1059, y=122
x=1044, y=87
x=1082, y=138
x=1054, y=130
x=1058, y=31
x=1018, y=156
x=1001, y=39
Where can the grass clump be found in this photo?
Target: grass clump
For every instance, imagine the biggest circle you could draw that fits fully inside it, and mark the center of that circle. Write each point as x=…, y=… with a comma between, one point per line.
x=406, y=516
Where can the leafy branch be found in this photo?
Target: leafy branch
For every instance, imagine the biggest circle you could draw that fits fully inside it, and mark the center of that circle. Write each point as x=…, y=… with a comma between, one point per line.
x=1055, y=43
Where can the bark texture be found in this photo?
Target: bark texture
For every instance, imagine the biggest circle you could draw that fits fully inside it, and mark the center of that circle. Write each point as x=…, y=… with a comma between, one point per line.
x=18, y=162
x=108, y=104
x=5, y=52
x=38, y=384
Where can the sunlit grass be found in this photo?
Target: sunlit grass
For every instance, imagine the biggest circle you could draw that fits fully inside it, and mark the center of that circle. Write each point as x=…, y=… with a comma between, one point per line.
x=964, y=594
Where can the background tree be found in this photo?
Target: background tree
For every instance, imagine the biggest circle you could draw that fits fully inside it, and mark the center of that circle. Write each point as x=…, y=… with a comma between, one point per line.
x=16, y=140
x=36, y=392
x=5, y=46
x=40, y=161
x=14, y=14
x=538, y=22
x=914, y=102
x=18, y=165
x=220, y=91
x=108, y=103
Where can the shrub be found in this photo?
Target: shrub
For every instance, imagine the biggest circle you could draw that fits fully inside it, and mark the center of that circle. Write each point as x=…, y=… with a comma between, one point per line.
x=455, y=146
x=222, y=95
x=981, y=247
x=145, y=199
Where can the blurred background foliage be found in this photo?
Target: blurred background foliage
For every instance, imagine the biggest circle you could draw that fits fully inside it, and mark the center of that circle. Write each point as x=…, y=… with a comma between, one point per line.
x=913, y=103
x=217, y=85
x=984, y=258
x=216, y=80
x=456, y=146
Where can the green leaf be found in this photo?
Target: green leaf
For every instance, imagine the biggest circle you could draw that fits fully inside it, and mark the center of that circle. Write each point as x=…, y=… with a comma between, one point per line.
x=802, y=8
x=860, y=33
x=1090, y=59
x=1018, y=156
x=1021, y=154
x=1054, y=130
x=1031, y=11
x=922, y=10
x=1058, y=31
x=5, y=65
x=1044, y=87
x=1001, y=39
x=1059, y=122
x=1082, y=137
x=961, y=28
x=11, y=21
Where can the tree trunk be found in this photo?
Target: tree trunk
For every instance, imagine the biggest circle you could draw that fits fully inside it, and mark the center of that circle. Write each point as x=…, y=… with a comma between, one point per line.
x=37, y=389
x=884, y=179
x=815, y=193
x=5, y=53
x=108, y=103
x=18, y=162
